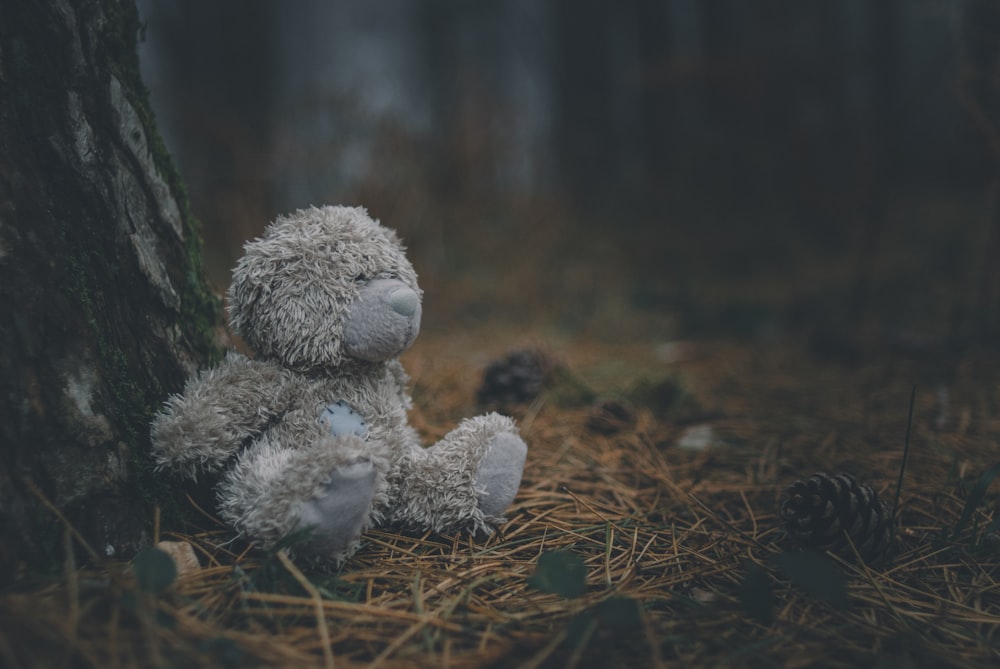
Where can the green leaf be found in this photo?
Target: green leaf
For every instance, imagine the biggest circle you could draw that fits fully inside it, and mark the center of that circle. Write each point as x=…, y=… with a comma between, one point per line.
x=755, y=593
x=816, y=575
x=619, y=612
x=154, y=570
x=976, y=496
x=561, y=573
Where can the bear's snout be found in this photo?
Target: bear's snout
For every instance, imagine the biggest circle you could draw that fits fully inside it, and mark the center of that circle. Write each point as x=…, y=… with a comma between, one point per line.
x=382, y=321
x=403, y=301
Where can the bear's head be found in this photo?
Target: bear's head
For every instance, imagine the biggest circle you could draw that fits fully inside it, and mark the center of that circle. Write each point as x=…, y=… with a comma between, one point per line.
x=325, y=285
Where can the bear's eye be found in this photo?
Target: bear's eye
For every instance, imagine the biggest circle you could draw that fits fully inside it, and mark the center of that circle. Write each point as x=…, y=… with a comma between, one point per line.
x=360, y=278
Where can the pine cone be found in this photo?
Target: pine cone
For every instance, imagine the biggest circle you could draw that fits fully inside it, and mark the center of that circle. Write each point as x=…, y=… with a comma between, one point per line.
x=517, y=378
x=822, y=511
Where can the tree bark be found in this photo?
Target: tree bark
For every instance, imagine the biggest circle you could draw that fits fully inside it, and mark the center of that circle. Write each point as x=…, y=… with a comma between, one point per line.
x=103, y=309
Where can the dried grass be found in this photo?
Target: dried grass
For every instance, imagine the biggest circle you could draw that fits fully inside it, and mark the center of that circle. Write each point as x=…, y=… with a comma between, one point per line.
x=673, y=531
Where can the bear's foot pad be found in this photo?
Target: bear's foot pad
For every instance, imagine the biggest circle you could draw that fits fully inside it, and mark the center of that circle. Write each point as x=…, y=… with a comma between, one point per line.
x=338, y=515
x=499, y=473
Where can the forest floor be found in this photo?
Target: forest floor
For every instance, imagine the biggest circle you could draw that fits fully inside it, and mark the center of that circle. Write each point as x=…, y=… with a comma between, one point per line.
x=646, y=529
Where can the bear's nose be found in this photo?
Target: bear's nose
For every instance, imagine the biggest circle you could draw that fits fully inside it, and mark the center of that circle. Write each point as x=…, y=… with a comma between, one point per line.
x=403, y=301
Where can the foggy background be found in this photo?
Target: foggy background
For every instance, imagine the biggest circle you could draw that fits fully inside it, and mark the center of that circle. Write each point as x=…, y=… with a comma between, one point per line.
x=681, y=167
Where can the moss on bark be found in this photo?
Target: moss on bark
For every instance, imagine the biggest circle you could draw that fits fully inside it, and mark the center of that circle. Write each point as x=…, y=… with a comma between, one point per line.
x=100, y=265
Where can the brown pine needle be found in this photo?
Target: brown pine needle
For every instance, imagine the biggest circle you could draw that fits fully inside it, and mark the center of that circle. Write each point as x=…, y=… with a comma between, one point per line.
x=36, y=491
x=670, y=530
x=324, y=632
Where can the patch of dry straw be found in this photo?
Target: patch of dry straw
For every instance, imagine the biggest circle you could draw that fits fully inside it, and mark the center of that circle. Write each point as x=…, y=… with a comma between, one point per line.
x=673, y=531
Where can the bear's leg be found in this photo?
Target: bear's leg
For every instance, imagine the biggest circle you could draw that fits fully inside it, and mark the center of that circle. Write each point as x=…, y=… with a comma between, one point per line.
x=326, y=490
x=467, y=480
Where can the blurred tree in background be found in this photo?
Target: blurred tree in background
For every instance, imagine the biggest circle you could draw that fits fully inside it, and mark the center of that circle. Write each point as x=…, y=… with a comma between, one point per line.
x=980, y=95
x=714, y=137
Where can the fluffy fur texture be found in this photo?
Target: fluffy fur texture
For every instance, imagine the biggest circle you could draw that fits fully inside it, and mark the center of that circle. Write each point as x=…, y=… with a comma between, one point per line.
x=313, y=432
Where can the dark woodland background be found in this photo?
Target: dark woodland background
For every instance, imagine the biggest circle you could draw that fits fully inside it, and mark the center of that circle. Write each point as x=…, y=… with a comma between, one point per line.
x=682, y=167
x=733, y=236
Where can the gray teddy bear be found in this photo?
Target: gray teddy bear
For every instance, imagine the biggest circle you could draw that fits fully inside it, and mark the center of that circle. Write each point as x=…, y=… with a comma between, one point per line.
x=312, y=433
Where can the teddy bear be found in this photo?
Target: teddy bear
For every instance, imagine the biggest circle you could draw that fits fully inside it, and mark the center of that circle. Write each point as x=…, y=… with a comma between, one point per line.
x=311, y=434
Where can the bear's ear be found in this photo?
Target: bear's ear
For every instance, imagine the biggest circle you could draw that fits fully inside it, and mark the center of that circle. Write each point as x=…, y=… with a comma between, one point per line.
x=392, y=237
x=296, y=322
x=252, y=278
x=287, y=303
x=244, y=293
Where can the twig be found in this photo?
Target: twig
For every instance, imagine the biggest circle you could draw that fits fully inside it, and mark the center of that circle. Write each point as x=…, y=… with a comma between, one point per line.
x=398, y=643
x=863, y=566
x=529, y=417
x=735, y=530
x=656, y=656
x=545, y=652
x=72, y=592
x=582, y=502
x=59, y=514
x=356, y=611
x=902, y=470
x=324, y=632
x=214, y=520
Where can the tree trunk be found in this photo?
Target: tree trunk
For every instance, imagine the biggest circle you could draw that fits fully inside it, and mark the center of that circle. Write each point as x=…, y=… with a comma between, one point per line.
x=886, y=118
x=103, y=310
x=652, y=30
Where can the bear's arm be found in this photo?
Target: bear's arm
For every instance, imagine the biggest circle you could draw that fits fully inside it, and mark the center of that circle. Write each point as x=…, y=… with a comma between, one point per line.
x=200, y=429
